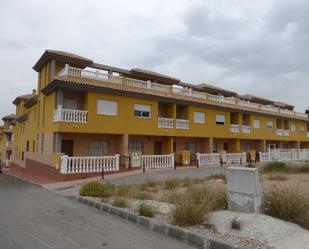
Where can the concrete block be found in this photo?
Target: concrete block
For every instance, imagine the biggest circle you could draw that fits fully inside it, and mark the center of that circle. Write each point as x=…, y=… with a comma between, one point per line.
x=97, y=205
x=144, y=222
x=160, y=228
x=217, y=244
x=243, y=180
x=123, y=214
x=114, y=210
x=132, y=217
x=176, y=232
x=106, y=208
x=244, y=190
x=196, y=240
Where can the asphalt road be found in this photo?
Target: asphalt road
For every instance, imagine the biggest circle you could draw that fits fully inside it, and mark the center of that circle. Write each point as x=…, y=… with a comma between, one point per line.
x=34, y=218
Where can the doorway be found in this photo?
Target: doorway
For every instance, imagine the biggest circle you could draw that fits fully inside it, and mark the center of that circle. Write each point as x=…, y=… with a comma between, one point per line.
x=67, y=147
x=158, y=148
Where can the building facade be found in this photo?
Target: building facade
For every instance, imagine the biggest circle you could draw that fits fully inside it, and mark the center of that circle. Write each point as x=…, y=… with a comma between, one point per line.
x=6, y=139
x=83, y=108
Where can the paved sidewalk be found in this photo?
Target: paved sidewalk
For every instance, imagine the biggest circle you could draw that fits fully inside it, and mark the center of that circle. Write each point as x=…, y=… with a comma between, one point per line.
x=71, y=188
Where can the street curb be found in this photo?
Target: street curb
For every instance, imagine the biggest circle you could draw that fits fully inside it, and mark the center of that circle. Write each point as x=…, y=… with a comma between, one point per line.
x=186, y=236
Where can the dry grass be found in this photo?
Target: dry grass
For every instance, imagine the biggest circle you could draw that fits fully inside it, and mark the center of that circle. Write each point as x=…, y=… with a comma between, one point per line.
x=288, y=202
x=146, y=210
x=286, y=168
x=120, y=202
x=280, y=178
x=95, y=189
x=172, y=183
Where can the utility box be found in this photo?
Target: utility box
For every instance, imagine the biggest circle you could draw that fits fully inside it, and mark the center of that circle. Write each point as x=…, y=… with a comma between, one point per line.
x=182, y=157
x=135, y=160
x=244, y=190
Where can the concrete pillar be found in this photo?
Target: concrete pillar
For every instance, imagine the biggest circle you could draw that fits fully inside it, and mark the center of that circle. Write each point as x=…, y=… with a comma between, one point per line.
x=264, y=146
x=174, y=112
x=206, y=145
x=59, y=100
x=124, y=145
x=235, y=146
x=168, y=145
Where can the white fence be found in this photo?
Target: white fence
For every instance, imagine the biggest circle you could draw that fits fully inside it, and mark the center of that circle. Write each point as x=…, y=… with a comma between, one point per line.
x=165, y=122
x=182, y=124
x=207, y=159
x=157, y=161
x=284, y=155
x=73, y=165
x=71, y=116
x=234, y=158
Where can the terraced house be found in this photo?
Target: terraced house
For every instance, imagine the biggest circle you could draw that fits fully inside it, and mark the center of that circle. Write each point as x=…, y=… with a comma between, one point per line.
x=6, y=137
x=86, y=109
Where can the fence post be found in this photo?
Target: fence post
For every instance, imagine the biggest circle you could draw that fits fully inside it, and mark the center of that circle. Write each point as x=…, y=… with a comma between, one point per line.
x=102, y=173
x=64, y=164
x=197, y=160
x=173, y=160
x=117, y=161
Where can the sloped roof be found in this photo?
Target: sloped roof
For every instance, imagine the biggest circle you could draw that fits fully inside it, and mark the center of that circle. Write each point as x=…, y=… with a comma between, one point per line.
x=22, y=97
x=9, y=117
x=256, y=99
x=63, y=56
x=151, y=75
x=284, y=105
x=216, y=90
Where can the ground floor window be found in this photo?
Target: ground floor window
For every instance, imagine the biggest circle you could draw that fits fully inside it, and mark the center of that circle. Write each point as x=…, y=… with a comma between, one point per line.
x=136, y=146
x=99, y=148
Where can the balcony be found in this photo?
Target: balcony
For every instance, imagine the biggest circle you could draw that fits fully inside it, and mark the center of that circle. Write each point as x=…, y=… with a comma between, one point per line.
x=307, y=134
x=234, y=128
x=165, y=122
x=246, y=129
x=180, y=91
x=279, y=132
x=8, y=144
x=286, y=133
x=70, y=116
x=182, y=124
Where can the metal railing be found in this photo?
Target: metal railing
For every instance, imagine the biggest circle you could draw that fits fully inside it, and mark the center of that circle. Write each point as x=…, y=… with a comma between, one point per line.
x=234, y=128
x=246, y=129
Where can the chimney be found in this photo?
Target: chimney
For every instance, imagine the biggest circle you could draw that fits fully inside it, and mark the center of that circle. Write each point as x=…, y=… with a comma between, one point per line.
x=33, y=91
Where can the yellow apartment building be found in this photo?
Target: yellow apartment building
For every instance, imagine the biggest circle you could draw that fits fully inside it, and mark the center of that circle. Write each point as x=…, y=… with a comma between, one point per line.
x=6, y=139
x=82, y=108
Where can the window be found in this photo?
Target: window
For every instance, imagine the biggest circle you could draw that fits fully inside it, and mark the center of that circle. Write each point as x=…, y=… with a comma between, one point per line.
x=302, y=128
x=33, y=146
x=27, y=146
x=199, y=117
x=191, y=146
x=256, y=124
x=220, y=119
x=99, y=148
x=136, y=146
x=143, y=111
x=70, y=103
x=42, y=142
x=270, y=124
x=107, y=107
x=293, y=128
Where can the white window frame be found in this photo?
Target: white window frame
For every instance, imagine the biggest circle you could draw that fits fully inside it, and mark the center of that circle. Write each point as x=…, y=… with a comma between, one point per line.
x=302, y=128
x=293, y=128
x=256, y=124
x=220, y=119
x=268, y=124
x=199, y=117
x=110, y=105
x=140, y=110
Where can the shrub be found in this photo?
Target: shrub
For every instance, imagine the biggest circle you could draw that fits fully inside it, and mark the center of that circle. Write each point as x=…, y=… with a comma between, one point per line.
x=235, y=224
x=146, y=210
x=148, y=184
x=220, y=176
x=289, y=203
x=192, y=205
x=285, y=168
x=172, y=183
x=123, y=190
x=96, y=189
x=120, y=202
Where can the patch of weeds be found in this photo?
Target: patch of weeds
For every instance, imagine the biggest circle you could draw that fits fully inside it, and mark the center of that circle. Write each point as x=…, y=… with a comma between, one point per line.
x=96, y=189
x=120, y=202
x=149, y=184
x=289, y=203
x=143, y=195
x=277, y=178
x=220, y=176
x=172, y=183
x=285, y=168
x=146, y=210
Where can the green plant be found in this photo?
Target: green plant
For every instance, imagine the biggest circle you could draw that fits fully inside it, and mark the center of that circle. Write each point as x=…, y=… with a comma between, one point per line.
x=286, y=168
x=172, y=183
x=290, y=203
x=235, y=224
x=146, y=210
x=192, y=205
x=96, y=189
x=120, y=202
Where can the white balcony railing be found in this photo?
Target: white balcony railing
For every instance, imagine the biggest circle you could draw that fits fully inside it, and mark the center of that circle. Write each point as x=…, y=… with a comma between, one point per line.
x=8, y=144
x=70, y=116
x=286, y=133
x=279, y=132
x=182, y=124
x=246, y=129
x=234, y=128
x=157, y=161
x=165, y=122
x=183, y=91
x=307, y=134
